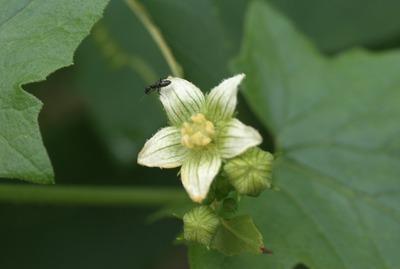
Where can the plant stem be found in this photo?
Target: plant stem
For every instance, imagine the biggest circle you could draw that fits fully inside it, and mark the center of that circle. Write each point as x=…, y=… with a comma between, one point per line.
x=155, y=33
x=89, y=195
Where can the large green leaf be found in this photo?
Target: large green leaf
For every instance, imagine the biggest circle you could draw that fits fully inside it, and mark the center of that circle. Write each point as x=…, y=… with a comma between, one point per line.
x=338, y=24
x=335, y=123
x=36, y=38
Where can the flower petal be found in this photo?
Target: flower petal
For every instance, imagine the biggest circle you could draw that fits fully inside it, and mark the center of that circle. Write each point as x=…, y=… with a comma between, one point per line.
x=235, y=138
x=198, y=172
x=163, y=150
x=222, y=100
x=181, y=99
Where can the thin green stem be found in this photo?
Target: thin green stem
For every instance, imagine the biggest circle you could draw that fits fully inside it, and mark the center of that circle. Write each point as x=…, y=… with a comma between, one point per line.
x=155, y=33
x=89, y=195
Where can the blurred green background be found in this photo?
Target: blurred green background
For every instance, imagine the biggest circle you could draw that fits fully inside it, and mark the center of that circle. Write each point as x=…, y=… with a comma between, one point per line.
x=96, y=117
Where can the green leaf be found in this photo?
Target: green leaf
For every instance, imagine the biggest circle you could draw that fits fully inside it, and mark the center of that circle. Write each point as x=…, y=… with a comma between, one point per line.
x=335, y=123
x=337, y=24
x=238, y=235
x=36, y=38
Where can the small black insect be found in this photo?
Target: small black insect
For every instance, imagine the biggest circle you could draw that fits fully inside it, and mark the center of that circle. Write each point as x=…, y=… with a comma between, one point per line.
x=157, y=86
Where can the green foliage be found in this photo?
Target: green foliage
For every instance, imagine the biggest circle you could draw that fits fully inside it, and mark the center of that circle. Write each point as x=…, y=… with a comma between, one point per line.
x=334, y=123
x=339, y=24
x=36, y=38
x=238, y=235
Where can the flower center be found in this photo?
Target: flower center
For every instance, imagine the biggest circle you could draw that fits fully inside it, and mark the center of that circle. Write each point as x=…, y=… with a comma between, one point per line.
x=198, y=132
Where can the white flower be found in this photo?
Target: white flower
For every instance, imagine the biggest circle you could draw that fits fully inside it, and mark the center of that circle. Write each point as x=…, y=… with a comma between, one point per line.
x=203, y=132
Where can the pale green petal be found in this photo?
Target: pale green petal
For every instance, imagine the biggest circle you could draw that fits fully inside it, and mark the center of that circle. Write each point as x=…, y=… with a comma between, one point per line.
x=222, y=100
x=163, y=150
x=198, y=172
x=235, y=138
x=181, y=99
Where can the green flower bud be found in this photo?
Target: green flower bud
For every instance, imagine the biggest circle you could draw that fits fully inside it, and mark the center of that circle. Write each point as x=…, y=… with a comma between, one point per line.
x=200, y=225
x=250, y=172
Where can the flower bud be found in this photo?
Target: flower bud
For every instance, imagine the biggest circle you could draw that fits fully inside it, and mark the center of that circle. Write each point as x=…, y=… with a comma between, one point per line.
x=250, y=172
x=200, y=225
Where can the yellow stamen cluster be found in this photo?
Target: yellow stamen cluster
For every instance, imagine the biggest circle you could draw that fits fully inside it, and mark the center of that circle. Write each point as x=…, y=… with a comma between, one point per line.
x=198, y=132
